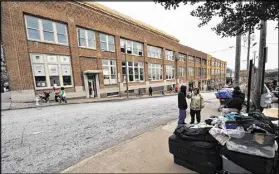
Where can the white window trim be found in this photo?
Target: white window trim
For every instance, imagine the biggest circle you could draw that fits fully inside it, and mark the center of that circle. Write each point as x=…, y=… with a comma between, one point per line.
x=41, y=32
x=134, y=75
x=132, y=47
x=154, y=66
x=109, y=65
x=168, y=76
x=190, y=73
x=107, y=42
x=46, y=63
x=169, y=55
x=86, y=38
x=150, y=50
x=181, y=71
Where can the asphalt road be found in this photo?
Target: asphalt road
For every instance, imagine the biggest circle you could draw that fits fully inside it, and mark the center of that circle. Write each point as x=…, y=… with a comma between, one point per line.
x=51, y=139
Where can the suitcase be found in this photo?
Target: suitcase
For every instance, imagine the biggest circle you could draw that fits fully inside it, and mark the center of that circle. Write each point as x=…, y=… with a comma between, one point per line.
x=251, y=163
x=231, y=167
x=199, y=156
x=194, y=134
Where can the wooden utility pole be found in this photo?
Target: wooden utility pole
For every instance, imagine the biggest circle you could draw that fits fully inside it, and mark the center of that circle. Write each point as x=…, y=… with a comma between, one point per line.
x=127, y=85
x=248, y=51
x=261, y=62
x=237, y=60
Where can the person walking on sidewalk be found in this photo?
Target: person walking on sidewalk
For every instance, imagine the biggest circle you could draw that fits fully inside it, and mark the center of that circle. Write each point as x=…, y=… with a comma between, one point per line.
x=182, y=105
x=196, y=105
x=150, y=91
x=63, y=95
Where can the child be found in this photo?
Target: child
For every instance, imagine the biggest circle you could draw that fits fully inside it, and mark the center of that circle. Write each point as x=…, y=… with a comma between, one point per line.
x=63, y=95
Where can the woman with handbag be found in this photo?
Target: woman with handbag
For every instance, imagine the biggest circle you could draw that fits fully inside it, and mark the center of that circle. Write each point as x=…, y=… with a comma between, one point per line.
x=196, y=105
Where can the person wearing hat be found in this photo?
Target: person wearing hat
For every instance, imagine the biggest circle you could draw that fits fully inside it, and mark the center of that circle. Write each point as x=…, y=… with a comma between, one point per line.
x=182, y=105
x=237, y=100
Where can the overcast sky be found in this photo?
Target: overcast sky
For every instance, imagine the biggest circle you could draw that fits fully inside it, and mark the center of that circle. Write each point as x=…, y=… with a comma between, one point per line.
x=182, y=25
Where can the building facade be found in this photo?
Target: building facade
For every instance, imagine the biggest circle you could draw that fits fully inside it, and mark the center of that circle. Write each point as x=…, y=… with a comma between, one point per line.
x=88, y=49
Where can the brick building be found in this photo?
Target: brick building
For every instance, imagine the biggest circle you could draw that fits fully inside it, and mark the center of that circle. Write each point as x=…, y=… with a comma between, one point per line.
x=83, y=47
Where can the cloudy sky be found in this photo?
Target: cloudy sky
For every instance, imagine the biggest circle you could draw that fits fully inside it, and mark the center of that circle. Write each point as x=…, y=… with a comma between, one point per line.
x=182, y=25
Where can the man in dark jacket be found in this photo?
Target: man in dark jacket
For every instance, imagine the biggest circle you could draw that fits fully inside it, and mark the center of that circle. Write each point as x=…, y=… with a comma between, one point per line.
x=237, y=100
x=182, y=104
x=150, y=91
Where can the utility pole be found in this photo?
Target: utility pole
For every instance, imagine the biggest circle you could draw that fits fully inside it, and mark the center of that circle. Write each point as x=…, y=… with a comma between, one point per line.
x=254, y=61
x=248, y=51
x=237, y=60
x=261, y=62
x=249, y=85
x=127, y=85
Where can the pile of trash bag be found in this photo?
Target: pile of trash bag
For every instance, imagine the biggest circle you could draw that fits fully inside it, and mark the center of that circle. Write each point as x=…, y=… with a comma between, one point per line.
x=253, y=135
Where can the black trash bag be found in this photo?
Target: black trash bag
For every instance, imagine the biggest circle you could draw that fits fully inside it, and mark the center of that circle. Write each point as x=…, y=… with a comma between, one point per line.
x=195, y=134
x=257, y=119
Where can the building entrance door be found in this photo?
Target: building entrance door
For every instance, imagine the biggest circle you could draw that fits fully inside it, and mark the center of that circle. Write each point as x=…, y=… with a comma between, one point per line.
x=92, y=86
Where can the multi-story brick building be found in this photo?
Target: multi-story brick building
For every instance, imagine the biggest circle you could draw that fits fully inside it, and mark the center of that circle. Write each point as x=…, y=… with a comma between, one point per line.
x=83, y=47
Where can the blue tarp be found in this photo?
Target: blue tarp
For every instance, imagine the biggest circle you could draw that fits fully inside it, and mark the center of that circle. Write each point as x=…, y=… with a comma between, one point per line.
x=223, y=94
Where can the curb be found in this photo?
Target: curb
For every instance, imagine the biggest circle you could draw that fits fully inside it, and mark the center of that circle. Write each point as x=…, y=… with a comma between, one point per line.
x=112, y=100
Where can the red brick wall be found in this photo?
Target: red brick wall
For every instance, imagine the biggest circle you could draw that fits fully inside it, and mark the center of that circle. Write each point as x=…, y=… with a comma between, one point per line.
x=74, y=14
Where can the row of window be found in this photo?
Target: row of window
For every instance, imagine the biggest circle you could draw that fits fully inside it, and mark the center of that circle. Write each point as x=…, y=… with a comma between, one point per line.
x=135, y=71
x=50, y=70
x=217, y=72
x=218, y=64
x=55, y=32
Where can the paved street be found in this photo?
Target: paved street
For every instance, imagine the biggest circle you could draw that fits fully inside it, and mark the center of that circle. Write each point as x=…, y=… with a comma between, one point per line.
x=53, y=138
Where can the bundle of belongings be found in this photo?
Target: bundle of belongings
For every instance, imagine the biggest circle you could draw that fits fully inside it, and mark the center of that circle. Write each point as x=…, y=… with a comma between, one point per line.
x=234, y=143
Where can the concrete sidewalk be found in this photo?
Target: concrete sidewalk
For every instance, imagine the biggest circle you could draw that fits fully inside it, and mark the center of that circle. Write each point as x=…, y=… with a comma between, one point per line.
x=12, y=106
x=8, y=105
x=147, y=153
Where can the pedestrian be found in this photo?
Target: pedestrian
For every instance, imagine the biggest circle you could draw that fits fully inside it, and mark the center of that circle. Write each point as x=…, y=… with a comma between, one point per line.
x=63, y=95
x=237, y=100
x=196, y=105
x=56, y=93
x=139, y=93
x=150, y=91
x=182, y=105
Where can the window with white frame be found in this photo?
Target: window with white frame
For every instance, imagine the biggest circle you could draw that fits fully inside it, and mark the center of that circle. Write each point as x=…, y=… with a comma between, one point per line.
x=181, y=71
x=46, y=30
x=190, y=71
x=170, y=72
x=198, y=60
x=86, y=38
x=198, y=71
x=182, y=57
x=169, y=55
x=154, y=52
x=132, y=47
x=204, y=61
x=191, y=59
x=109, y=71
x=107, y=42
x=51, y=69
x=135, y=71
x=155, y=71
x=204, y=71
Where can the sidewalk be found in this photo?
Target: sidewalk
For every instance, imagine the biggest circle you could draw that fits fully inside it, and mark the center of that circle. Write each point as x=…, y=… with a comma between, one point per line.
x=147, y=153
x=13, y=106
x=144, y=154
